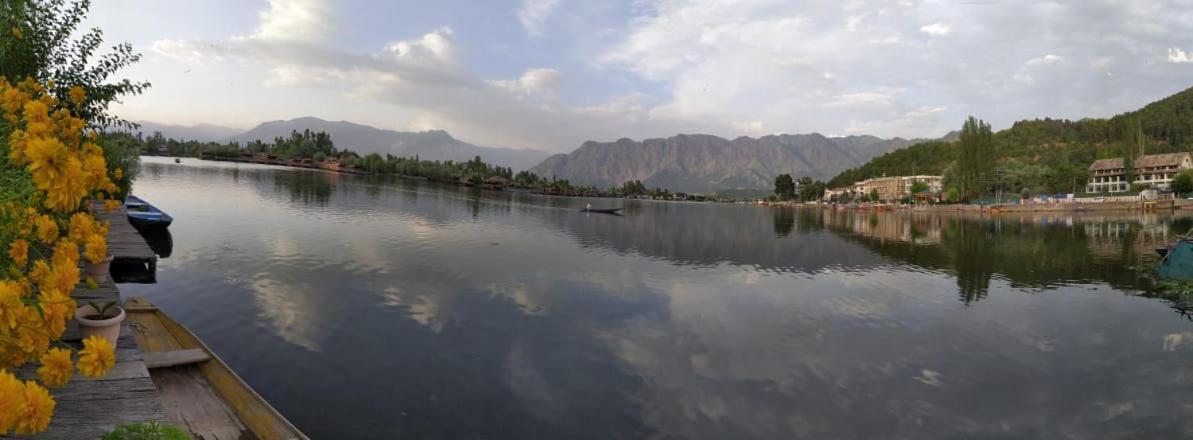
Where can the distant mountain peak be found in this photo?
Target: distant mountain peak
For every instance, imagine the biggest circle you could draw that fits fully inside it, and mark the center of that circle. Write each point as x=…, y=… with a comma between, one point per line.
x=705, y=163
x=197, y=132
x=365, y=139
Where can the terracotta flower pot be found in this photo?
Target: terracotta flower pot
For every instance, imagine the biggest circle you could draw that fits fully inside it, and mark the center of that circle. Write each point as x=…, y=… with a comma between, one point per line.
x=99, y=270
x=109, y=328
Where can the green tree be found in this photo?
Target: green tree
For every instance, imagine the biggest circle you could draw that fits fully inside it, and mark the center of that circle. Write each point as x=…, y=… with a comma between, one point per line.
x=873, y=195
x=123, y=151
x=975, y=157
x=918, y=187
x=784, y=186
x=42, y=40
x=1183, y=182
x=810, y=190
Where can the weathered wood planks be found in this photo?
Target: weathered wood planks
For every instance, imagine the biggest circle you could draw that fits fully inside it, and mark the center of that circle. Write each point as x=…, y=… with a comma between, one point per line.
x=124, y=242
x=162, y=359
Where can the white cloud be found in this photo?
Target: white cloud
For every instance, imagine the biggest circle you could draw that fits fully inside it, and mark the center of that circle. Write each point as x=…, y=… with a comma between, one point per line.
x=861, y=99
x=1044, y=60
x=294, y=20
x=533, y=13
x=1179, y=56
x=725, y=68
x=885, y=41
x=751, y=127
x=539, y=82
x=936, y=29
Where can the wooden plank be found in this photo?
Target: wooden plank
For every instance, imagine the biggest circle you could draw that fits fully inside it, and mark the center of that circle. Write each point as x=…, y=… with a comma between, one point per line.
x=262, y=419
x=153, y=336
x=190, y=401
x=91, y=420
x=123, y=239
x=161, y=359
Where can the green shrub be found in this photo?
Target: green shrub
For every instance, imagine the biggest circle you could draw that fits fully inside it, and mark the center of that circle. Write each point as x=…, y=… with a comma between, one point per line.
x=147, y=431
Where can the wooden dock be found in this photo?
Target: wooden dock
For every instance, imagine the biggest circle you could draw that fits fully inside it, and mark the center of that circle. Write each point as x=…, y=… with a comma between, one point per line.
x=124, y=242
x=88, y=408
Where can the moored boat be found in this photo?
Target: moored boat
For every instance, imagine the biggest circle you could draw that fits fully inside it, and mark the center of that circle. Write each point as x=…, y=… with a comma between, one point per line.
x=601, y=210
x=198, y=389
x=143, y=214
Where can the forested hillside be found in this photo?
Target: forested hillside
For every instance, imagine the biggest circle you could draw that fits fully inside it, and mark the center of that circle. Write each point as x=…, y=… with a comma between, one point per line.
x=1050, y=155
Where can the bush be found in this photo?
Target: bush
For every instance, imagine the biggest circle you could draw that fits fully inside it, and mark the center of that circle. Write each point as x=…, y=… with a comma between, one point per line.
x=1183, y=182
x=147, y=431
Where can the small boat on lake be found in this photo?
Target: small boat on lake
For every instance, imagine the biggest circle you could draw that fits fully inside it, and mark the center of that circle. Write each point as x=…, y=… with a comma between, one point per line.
x=143, y=214
x=601, y=210
x=198, y=389
x=1176, y=260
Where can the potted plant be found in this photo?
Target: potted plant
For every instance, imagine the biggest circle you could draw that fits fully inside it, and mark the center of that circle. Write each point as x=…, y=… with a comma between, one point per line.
x=100, y=319
x=99, y=270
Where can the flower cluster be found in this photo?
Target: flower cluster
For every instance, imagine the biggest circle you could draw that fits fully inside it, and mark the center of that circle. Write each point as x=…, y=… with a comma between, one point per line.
x=51, y=171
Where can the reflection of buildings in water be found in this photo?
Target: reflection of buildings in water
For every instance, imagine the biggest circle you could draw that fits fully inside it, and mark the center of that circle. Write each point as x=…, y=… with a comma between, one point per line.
x=902, y=227
x=1106, y=237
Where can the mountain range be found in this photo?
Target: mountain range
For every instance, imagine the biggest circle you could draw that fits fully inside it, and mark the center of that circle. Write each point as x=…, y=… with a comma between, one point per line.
x=201, y=132
x=363, y=139
x=686, y=162
x=705, y=163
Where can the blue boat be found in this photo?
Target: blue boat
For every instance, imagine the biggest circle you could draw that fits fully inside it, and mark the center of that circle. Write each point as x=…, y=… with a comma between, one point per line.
x=1177, y=261
x=142, y=214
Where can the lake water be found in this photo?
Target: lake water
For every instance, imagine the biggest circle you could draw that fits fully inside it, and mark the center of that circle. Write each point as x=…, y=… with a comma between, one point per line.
x=381, y=308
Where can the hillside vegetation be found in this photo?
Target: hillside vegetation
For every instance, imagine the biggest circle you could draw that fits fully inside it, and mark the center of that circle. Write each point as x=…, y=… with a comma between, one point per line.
x=1049, y=155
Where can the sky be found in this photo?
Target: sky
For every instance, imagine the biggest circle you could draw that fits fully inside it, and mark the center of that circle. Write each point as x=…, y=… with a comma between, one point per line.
x=551, y=74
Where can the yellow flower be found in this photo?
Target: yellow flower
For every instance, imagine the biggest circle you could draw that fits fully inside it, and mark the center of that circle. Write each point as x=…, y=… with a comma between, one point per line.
x=65, y=254
x=111, y=205
x=118, y=174
x=10, y=305
x=16, y=33
x=40, y=271
x=64, y=193
x=56, y=308
x=37, y=409
x=97, y=357
x=12, y=399
x=47, y=229
x=81, y=226
x=97, y=249
x=18, y=251
x=31, y=337
x=55, y=367
x=77, y=95
x=62, y=277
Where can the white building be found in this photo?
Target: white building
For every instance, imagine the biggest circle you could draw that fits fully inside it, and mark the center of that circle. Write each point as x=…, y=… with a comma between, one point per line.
x=1153, y=170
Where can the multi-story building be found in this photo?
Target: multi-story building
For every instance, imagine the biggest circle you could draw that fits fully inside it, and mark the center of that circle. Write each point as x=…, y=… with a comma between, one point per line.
x=1153, y=170
x=1107, y=175
x=933, y=183
x=836, y=193
x=895, y=187
x=1158, y=170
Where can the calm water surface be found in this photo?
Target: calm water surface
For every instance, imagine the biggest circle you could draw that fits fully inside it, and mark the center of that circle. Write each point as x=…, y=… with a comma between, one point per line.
x=374, y=308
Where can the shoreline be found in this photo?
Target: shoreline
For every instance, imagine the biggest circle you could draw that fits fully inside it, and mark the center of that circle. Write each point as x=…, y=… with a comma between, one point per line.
x=1170, y=205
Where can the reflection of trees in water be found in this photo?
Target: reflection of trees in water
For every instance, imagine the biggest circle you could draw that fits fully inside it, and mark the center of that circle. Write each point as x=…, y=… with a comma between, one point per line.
x=969, y=242
x=708, y=234
x=1041, y=252
x=784, y=222
x=310, y=188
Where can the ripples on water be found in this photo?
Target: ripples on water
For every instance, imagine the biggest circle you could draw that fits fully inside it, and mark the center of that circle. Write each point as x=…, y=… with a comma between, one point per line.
x=371, y=307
